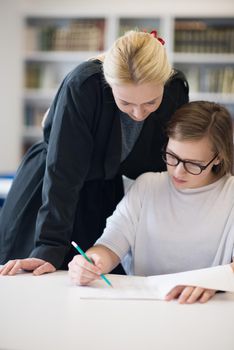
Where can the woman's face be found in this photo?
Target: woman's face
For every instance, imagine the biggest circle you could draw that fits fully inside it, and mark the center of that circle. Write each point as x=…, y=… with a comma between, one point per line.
x=195, y=151
x=138, y=100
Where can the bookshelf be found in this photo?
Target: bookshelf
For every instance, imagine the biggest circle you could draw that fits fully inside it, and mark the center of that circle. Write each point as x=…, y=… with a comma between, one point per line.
x=204, y=51
x=203, y=48
x=53, y=47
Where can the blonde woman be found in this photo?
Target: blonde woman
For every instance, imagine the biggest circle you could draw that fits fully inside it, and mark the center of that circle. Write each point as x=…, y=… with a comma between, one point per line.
x=107, y=120
x=178, y=220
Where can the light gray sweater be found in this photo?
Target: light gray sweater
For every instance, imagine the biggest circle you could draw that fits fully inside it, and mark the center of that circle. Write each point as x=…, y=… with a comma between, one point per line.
x=158, y=229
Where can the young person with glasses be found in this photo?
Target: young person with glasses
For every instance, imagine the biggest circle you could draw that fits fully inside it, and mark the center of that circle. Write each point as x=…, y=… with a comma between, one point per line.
x=178, y=220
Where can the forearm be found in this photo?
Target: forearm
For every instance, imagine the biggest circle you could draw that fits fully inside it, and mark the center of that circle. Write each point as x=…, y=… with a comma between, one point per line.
x=109, y=259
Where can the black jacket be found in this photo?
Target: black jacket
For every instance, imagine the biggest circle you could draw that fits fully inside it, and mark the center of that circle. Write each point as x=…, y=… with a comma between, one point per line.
x=68, y=184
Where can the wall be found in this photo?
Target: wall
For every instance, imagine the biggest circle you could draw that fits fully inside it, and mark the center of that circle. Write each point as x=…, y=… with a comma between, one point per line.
x=10, y=85
x=178, y=7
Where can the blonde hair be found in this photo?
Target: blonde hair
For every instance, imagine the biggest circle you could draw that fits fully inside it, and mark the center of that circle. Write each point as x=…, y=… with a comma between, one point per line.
x=198, y=119
x=136, y=57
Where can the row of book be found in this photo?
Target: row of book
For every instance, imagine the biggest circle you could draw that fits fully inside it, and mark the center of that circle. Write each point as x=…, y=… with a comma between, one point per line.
x=32, y=76
x=74, y=36
x=212, y=80
x=198, y=37
x=46, y=76
x=33, y=115
x=220, y=80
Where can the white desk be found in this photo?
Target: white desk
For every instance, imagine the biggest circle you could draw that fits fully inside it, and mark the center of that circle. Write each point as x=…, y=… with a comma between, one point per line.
x=44, y=313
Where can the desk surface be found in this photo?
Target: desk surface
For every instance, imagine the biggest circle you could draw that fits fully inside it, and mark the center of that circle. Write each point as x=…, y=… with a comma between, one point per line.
x=45, y=313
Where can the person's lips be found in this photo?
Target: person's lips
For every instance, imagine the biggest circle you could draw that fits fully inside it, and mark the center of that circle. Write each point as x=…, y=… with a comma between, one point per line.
x=178, y=181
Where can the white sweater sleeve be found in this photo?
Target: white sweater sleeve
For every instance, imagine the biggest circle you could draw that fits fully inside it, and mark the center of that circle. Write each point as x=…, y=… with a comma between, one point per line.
x=119, y=234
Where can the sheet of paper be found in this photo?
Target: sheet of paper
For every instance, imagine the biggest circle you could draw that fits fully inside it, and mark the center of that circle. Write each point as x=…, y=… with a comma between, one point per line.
x=217, y=278
x=124, y=287
x=156, y=287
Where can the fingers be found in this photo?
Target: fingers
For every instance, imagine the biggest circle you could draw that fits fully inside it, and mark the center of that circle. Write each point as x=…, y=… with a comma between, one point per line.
x=10, y=268
x=174, y=293
x=83, y=277
x=190, y=295
x=82, y=272
x=38, y=266
x=207, y=295
x=45, y=268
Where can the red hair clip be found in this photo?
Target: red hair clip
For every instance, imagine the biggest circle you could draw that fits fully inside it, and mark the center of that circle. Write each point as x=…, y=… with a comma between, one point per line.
x=155, y=35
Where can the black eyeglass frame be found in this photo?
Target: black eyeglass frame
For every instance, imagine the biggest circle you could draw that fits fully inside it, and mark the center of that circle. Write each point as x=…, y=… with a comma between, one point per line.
x=184, y=162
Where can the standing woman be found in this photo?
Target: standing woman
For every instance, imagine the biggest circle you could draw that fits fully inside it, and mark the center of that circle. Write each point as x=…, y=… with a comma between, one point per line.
x=107, y=120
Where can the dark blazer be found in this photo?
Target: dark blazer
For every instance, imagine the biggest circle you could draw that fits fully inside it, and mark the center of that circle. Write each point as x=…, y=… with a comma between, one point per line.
x=68, y=184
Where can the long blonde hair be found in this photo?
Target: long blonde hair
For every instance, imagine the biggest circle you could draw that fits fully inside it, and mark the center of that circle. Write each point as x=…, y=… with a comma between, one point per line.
x=198, y=119
x=136, y=57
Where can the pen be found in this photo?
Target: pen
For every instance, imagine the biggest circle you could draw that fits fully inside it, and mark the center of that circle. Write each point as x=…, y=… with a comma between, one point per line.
x=89, y=260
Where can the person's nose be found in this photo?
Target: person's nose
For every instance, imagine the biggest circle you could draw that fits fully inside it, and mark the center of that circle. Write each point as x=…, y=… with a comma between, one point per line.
x=179, y=169
x=138, y=112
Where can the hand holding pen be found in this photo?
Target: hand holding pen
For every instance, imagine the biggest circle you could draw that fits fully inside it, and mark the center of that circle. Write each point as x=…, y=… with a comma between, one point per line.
x=83, y=269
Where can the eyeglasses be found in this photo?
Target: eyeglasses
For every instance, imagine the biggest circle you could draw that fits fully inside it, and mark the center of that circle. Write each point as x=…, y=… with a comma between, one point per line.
x=190, y=167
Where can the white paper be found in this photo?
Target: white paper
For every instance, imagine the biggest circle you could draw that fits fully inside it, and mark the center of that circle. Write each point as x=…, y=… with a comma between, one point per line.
x=156, y=287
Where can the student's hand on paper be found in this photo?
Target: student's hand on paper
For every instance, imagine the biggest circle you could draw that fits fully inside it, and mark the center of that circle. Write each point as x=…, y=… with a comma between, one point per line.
x=36, y=266
x=189, y=295
x=82, y=272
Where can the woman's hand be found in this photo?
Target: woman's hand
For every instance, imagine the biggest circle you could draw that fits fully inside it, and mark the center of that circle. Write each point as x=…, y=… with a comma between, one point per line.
x=37, y=266
x=189, y=295
x=82, y=272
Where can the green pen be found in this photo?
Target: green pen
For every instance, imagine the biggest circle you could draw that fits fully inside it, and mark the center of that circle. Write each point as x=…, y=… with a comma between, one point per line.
x=89, y=260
